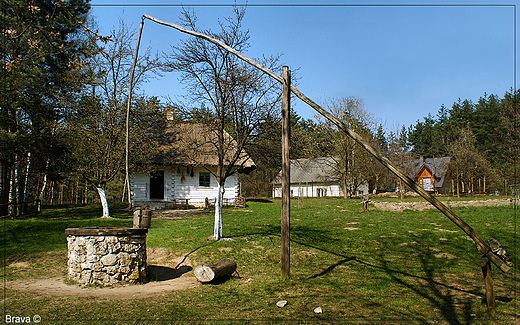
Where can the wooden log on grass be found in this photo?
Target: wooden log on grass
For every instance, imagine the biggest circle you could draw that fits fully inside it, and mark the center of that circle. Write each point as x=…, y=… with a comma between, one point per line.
x=208, y=273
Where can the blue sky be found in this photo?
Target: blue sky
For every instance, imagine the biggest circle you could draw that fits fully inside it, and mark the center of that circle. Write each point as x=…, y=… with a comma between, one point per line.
x=403, y=59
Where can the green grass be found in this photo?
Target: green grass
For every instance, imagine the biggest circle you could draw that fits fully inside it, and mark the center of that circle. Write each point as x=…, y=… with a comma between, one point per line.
x=367, y=267
x=35, y=234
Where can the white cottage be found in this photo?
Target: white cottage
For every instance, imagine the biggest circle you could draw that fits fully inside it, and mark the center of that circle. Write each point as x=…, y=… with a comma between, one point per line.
x=315, y=177
x=182, y=169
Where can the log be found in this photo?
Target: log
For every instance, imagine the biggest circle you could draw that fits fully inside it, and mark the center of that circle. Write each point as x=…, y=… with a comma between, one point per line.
x=207, y=273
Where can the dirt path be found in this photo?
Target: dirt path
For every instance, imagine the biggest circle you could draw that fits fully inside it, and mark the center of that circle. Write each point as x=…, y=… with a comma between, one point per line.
x=166, y=269
x=423, y=205
x=57, y=287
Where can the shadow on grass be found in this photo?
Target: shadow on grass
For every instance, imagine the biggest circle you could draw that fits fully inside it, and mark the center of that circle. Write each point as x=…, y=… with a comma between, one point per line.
x=163, y=273
x=193, y=251
x=220, y=280
x=299, y=233
x=78, y=212
x=331, y=268
x=432, y=292
x=455, y=310
x=259, y=200
x=436, y=292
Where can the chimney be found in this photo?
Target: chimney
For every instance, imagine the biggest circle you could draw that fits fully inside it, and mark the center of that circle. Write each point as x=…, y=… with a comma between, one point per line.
x=421, y=160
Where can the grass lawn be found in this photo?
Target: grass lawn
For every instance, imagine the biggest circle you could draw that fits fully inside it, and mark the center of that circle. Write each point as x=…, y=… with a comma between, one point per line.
x=360, y=267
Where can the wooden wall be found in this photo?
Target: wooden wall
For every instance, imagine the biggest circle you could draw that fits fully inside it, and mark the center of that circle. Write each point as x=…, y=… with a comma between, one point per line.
x=179, y=184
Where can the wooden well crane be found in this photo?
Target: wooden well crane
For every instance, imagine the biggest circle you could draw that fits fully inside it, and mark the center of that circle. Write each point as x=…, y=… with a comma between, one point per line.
x=489, y=254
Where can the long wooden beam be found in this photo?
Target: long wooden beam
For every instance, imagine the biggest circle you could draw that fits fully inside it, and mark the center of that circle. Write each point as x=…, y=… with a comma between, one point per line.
x=127, y=124
x=286, y=175
x=482, y=245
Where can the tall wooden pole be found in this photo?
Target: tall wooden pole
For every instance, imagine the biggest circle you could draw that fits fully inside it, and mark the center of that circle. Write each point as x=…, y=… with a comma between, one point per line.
x=128, y=103
x=286, y=178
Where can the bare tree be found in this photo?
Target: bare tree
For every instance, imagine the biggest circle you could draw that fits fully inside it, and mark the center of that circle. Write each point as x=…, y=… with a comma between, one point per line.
x=468, y=164
x=352, y=162
x=399, y=153
x=239, y=99
x=98, y=127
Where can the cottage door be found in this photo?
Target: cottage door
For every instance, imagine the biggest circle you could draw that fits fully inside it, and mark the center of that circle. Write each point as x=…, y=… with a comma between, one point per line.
x=157, y=185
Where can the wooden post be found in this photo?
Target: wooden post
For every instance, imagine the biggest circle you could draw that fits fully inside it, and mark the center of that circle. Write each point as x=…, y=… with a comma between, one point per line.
x=128, y=102
x=286, y=181
x=486, y=273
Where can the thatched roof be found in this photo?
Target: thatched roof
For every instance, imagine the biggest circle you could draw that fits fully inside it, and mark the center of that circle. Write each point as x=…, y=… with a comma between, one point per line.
x=193, y=144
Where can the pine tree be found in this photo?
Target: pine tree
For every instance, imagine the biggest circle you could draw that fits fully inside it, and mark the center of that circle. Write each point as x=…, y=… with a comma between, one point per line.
x=486, y=125
x=41, y=55
x=426, y=138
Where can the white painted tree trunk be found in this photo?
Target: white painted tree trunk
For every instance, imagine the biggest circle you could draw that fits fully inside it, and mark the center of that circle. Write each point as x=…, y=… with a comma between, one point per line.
x=104, y=203
x=217, y=228
x=13, y=192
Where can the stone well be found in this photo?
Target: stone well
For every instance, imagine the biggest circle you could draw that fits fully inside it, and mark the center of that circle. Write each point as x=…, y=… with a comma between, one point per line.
x=106, y=255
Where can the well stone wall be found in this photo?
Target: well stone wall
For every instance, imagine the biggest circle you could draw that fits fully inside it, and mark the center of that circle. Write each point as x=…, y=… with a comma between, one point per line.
x=106, y=255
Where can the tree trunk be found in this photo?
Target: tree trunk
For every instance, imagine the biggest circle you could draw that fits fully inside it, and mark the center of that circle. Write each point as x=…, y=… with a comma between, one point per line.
x=124, y=193
x=24, y=193
x=52, y=193
x=217, y=229
x=42, y=191
x=208, y=273
x=4, y=187
x=13, y=193
x=104, y=203
x=346, y=192
x=458, y=181
x=76, y=198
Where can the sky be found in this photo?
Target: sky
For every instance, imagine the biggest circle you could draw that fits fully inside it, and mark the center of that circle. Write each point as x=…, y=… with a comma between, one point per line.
x=403, y=59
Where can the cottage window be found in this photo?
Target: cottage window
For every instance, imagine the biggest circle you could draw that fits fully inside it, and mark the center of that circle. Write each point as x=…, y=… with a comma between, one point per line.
x=204, y=179
x=427, y=184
